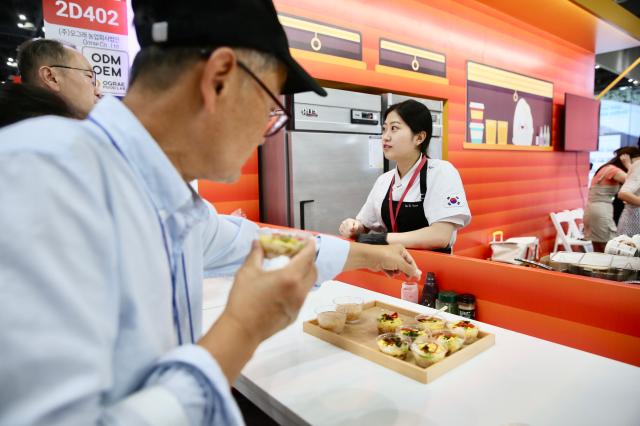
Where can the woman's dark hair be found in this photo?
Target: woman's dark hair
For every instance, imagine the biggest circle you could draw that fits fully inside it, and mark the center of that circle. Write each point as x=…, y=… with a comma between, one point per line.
x=631, y=151
x=21, y=101
x=418, y=118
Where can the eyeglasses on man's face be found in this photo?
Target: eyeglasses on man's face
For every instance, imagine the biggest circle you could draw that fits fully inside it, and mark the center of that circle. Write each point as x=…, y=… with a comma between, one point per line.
x=88, y=72
x=278, y=116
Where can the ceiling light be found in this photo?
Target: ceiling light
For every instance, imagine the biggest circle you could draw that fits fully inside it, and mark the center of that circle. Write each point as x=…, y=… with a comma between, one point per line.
x=20, y=25
x=22, y=17
x=630, y=80
x=635, y=82
x=10, y=59
x=12, y=64
x=597, y=67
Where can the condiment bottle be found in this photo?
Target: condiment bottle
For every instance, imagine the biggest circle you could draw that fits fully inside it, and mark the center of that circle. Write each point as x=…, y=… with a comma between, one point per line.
x=429, y=291
x=467, y=305
x=448, y=299
x=409, y=292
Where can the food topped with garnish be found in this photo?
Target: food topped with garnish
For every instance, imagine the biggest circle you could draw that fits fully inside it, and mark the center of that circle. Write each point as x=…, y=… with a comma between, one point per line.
x=427, y=352
x=431, y=322
x=388, y=322
x=412, y=331
x=394, y=344
x=465, y=329
x=449, y=340
x=281, y=244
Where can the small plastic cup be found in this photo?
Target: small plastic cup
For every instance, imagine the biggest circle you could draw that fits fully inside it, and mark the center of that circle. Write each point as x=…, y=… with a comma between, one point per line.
x=330, y=319
x=413, y=331
x=449, y=340
x=277, y=243
x=351, y=306
x=394, y=344
x=388, y=322
x=465, y=329
x=433, y=323
x=427, y=352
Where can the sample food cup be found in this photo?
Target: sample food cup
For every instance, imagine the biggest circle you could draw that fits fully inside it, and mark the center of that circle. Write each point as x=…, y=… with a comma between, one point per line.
x=388, y=322
x=351, y=306
x=281, y=243
x=330, y=319
x=449, y=340
x=393, y=344
x=427, y=351
x=465, y=329
x=413, y=331
x=434, y=323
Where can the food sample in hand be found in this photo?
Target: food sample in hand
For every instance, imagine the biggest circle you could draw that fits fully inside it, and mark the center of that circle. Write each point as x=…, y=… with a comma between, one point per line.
x=280, y=244
x=394, y=344
x=431, y=322
x=412, y=331
x=332, y=321
x=351, y=306
x=449, y=340
x=427, y=352
x=465, y=329
x=388, y=322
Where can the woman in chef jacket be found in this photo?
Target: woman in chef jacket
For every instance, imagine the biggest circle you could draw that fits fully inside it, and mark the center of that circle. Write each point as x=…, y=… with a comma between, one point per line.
x=421, y=203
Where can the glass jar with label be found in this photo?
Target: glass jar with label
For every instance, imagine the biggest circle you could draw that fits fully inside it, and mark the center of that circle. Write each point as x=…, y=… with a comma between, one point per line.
x=467, y=305
x=448, y=299
x=409, y=291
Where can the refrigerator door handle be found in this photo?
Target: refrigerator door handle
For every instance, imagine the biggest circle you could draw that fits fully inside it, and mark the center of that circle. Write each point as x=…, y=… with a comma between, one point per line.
x=302, y=203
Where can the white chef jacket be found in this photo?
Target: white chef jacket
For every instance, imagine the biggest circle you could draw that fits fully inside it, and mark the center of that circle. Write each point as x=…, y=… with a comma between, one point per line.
x=445, y=200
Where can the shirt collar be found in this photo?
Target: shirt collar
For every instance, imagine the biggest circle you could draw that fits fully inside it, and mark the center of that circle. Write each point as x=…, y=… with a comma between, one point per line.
x=409, y=173
x=168, y=191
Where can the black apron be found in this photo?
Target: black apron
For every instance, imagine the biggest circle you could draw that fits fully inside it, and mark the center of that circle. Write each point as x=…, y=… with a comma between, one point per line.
x=411, y=216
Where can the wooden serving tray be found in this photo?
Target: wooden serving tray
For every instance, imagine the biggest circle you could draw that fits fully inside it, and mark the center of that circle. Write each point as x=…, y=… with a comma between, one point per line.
x=360, y=339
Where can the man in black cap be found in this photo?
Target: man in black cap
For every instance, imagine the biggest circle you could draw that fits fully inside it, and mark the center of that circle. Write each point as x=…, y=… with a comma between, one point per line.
x=104, y=244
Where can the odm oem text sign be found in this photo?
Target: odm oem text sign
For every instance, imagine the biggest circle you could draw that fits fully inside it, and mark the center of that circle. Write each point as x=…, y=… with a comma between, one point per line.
x=98, y=29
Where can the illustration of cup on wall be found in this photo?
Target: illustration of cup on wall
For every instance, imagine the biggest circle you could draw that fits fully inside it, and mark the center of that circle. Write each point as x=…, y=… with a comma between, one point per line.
x=476, y=126
x=476, y=110
x=477, y=132
x=490, y=127
x=503, y=132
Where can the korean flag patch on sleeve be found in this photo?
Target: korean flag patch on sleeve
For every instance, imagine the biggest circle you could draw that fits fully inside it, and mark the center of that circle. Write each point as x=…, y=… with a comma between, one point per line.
x=454, y=200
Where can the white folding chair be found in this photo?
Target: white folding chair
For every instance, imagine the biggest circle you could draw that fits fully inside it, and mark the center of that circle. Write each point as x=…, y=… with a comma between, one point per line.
x=578, y=219
x=572, y=236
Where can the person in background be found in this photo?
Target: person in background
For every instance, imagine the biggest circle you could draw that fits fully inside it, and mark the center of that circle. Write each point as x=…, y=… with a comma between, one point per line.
x=21, y=101
x=60, y=69
x=421, y=203
x=105, y=244
x=629, y=223
x=618, y=204
x=599, y=225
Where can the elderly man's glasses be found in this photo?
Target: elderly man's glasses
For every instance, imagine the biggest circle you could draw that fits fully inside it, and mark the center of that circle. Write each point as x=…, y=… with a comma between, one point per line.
x=277, y=117
x=93, y=74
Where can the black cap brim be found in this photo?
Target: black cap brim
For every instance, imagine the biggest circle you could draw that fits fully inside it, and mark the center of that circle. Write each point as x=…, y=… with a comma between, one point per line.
x=298, y=80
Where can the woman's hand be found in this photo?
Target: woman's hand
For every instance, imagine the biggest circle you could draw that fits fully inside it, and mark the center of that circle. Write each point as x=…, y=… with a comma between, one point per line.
x=350, y=228
x=625, y=159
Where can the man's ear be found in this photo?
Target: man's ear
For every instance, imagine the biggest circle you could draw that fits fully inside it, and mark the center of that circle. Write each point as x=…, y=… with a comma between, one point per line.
x=216, y=75
x=48, y=78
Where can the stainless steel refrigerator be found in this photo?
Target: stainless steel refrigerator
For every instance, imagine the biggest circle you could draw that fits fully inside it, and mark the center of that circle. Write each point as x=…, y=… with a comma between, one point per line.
x=321, y=170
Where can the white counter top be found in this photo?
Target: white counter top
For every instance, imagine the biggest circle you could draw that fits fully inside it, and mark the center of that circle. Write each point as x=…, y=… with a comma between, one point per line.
x=297, y=379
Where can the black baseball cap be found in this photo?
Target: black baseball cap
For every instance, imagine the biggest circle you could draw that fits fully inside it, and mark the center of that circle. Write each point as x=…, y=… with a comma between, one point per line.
x=250, y=24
